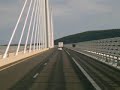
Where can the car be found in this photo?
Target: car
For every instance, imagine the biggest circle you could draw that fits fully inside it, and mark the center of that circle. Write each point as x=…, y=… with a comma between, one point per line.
x=59, y=48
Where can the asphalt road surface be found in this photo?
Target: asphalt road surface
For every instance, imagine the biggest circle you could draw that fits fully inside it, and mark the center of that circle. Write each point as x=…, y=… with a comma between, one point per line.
x=50, y=70
x=106, y=76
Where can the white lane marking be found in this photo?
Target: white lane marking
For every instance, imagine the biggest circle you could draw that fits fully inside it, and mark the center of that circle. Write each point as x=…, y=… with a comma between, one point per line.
x=96, y=59
x=45, y=64
x=17, y=63
x=35, y=75
x=87, y=75
x=67, y=52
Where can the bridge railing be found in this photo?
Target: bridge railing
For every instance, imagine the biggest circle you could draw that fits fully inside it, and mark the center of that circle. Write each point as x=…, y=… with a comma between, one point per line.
x=106, y=50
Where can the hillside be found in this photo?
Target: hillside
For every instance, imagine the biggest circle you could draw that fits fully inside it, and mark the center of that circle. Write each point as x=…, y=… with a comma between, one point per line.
x=89, y=35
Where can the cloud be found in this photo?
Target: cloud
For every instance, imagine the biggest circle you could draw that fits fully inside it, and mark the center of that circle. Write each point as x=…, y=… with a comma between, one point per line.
x=68, y=7
x=9, y=13
x=74, y=16
x=70, y=16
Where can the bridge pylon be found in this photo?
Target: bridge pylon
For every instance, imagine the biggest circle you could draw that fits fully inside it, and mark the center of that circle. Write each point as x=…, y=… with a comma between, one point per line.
x=40, y=27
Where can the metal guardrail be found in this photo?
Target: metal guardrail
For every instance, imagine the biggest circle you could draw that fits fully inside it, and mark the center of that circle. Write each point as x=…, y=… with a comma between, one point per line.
x=106, y=50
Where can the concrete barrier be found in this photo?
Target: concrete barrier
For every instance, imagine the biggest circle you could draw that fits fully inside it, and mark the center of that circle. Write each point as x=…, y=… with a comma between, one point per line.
x=11, y=54
x=13, y=58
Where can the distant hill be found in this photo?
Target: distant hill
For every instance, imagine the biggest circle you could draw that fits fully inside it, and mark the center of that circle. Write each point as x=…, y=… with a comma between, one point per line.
x=89, y=35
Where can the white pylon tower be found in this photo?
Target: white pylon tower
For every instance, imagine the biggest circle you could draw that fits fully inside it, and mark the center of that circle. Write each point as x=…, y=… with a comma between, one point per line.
x=52, y=29
x=40, y=27
x=49, y=25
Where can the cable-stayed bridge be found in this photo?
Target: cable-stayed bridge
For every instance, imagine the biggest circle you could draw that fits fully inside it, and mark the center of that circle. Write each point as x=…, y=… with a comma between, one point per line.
x=39, y=65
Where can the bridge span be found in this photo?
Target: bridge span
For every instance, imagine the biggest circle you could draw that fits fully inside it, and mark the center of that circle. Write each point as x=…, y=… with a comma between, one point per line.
x=36, y=64
x=59, y=69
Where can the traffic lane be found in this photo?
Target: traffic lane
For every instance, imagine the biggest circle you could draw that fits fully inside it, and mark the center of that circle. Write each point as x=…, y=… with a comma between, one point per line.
x=13, y=74
x=72, y=80
x=44, y=78
x=26, y=82
x=60, y=74
x=78, y=79
x=100, y=72
x=57, y=81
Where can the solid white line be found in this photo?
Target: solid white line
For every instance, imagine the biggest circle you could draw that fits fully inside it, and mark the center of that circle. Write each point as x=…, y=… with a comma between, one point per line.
x=67, y=52
x=87, y=75
x=35, y=75
x=96, y=59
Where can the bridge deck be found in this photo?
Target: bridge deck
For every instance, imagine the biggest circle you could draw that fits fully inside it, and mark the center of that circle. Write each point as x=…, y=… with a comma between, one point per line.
x=56, y=70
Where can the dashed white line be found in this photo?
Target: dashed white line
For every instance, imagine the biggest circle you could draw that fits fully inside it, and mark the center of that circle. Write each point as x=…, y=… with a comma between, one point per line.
x=87, y=75
x=45, y=64
x=35, y=75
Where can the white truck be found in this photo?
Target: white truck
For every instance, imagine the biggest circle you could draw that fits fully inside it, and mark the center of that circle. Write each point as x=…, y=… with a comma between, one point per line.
x=60, y=45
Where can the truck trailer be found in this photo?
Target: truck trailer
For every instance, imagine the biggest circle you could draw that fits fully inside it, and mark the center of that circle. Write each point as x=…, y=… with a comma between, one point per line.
x=60, y=45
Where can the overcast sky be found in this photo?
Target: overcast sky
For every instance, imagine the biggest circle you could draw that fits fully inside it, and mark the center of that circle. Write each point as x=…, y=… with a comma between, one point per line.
x=70, y=16
x=74, y=16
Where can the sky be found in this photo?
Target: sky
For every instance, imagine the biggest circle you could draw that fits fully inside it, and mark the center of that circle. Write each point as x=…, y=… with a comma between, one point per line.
x=69, y=16
x=75, y=16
